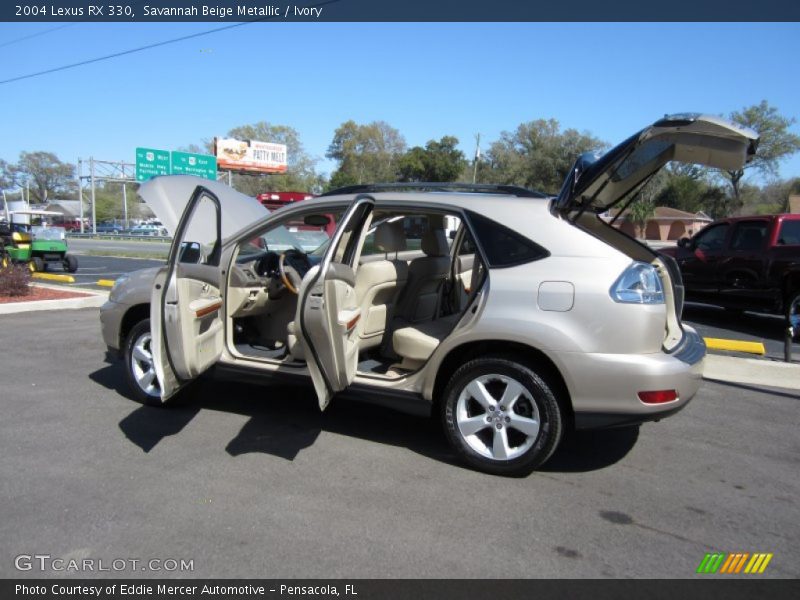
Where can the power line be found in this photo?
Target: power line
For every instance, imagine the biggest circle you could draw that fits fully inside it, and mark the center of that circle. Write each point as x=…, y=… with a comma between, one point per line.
x=33, y=35
x=123, y=53
x=147, y=47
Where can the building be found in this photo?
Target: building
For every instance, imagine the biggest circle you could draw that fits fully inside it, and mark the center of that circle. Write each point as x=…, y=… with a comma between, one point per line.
x=666, y=224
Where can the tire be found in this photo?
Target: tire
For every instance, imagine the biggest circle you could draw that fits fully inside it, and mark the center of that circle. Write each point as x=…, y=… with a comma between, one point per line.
x=36, y=265
x=498, y=444
x=44, y=266
x=139, y=365
x=70, y=263
x=792, y=310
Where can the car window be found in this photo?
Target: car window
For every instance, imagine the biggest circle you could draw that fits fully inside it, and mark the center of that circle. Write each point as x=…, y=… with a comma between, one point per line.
x=296, y=231
x=414, y=227
x=790, y=232
x=504, y=247
x=712, y=238
x=749, y=235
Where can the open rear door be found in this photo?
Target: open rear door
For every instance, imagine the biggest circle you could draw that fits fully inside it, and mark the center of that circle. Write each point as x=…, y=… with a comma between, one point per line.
x=328, y=310
x=186, y=303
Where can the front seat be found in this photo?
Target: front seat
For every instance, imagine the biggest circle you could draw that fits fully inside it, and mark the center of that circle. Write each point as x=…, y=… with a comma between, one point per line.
x=426, y=275
x=378, y=283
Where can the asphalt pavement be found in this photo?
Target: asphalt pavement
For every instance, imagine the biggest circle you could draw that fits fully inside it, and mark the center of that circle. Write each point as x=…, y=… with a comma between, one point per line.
x=253, y=481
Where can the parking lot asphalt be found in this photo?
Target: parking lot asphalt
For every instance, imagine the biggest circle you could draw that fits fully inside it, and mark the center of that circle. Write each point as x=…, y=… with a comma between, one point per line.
x=251, y=481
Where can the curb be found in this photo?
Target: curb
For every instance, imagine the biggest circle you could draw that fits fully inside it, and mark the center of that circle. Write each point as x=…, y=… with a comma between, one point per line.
x=53, y=277
x=752, y=371
x=93, y=299
x=735, y=346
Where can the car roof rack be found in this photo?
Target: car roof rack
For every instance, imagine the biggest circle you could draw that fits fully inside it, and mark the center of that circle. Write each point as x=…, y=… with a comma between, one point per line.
x=475, y=188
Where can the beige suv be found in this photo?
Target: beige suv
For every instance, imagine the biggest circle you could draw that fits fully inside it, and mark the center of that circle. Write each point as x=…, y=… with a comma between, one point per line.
x=512, y=314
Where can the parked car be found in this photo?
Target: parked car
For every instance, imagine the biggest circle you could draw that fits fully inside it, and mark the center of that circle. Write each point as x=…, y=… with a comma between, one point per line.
x=534, y=317
x=148, y=229
x=107, y=227
x=744, y=263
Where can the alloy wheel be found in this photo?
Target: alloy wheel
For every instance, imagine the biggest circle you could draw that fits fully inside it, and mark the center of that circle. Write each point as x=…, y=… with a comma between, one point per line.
x=497, y=417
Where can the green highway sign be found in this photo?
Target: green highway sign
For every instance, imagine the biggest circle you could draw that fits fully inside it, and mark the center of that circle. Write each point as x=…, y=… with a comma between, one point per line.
x=202, y=165
x=151, y=162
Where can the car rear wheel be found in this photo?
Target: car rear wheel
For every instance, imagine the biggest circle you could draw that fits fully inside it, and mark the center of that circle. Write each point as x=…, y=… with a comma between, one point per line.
x=139, y=367
x=501, y=416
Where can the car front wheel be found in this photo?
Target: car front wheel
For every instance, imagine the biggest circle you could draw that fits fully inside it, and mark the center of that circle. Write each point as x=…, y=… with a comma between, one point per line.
x=139, y=368
x=501, y=416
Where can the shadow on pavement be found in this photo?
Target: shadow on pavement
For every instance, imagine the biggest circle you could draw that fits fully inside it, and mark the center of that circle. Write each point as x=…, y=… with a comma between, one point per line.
x=583, y=451
x=283, y=420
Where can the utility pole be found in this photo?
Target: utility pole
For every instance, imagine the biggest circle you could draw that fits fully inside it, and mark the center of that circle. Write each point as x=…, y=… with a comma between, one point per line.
x=124, y=197
x=94, y=212
x=477, y=157
x=80, y=191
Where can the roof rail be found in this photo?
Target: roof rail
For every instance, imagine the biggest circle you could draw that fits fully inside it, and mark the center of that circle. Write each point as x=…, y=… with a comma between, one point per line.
x=478, y=188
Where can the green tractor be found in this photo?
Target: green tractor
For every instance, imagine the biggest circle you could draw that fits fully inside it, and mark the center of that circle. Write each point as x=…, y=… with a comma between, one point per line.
x=38, y=247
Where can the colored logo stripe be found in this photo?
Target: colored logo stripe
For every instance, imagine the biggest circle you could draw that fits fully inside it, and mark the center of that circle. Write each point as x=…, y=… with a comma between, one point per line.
x=724, y=563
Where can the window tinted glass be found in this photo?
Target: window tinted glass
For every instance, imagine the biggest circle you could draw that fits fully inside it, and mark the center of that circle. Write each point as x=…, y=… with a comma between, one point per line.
x=749, y=235
x=790, y=233
x=712, y=238
x=504, y=247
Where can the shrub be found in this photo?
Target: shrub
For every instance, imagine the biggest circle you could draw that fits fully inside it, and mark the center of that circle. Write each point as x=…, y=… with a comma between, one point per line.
x=14, y=281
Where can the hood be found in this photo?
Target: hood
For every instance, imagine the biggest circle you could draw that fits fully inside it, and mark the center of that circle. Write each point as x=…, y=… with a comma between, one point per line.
x=597, y=184
x=168, y=195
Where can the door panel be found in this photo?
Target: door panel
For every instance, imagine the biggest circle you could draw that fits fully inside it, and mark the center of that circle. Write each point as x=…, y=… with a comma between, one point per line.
x=186, y=314
x=328, y=310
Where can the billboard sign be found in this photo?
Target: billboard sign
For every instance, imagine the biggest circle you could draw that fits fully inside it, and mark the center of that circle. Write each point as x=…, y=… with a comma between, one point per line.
x=250, y=155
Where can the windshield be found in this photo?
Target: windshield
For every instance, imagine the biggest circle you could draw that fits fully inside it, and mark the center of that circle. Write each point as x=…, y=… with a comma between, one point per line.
x=49, y=233
x=299, y=236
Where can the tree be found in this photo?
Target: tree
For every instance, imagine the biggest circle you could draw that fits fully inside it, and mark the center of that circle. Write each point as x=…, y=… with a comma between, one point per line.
x=45, y=174
x=639, y=213
x=438, y=161
x=300, y=175
x=689, y=188
x=537, y=155
x=776, y=143
x=7, y=175
x=366, y=153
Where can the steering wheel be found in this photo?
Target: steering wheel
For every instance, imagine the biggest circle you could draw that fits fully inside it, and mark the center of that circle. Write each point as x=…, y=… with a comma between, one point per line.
x=289, y=273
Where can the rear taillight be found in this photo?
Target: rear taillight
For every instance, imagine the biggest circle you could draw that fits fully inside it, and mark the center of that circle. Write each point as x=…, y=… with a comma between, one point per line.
x=638, y=284
x=658, y=396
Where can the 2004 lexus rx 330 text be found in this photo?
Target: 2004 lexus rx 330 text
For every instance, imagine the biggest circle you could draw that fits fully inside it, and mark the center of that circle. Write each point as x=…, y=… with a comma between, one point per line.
x=513, y=314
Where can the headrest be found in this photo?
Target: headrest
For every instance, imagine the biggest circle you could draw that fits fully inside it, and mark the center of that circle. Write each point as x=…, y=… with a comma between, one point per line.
x=434, y=243
x=390, y=236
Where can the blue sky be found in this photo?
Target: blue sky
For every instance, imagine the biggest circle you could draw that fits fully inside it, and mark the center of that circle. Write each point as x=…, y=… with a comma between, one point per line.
x=425, y=79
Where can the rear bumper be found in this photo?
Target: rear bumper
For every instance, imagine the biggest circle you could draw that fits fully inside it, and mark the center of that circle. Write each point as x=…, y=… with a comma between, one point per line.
x=604, y=388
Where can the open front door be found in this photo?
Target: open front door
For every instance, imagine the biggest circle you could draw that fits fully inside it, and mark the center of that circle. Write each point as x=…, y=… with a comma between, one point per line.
x=328, y=310
x=186, y=304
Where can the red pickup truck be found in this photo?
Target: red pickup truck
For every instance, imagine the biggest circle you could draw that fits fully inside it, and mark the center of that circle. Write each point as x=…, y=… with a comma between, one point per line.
x=744, y=263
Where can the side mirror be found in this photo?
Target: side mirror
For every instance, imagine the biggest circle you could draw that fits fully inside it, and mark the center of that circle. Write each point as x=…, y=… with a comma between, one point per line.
x=684, y=243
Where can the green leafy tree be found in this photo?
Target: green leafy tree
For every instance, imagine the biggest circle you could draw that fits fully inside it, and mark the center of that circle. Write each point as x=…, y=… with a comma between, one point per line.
x=7, y=175
x=45, y=175
x=776, y=143
x=536, y=155
x=639, y=213
x=366, y=153
x=437, y=161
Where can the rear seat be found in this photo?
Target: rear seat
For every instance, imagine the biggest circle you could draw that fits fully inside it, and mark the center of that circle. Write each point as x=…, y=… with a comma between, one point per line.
x=416, y=343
